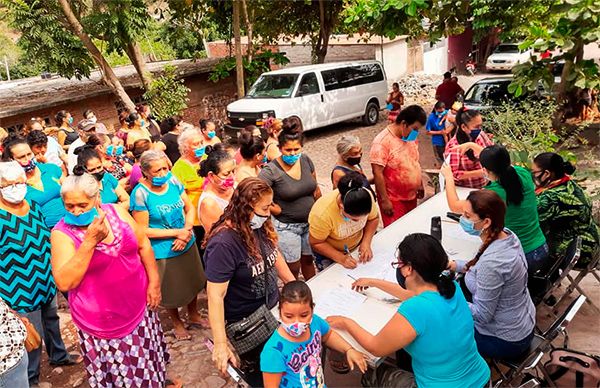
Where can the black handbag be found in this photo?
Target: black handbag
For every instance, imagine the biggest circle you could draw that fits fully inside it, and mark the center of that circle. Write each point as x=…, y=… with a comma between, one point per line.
x=254, y=330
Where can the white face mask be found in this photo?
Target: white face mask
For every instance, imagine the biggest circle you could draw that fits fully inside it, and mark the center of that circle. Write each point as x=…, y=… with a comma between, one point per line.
x=93, y=119
x=14, y=193
x=258, y=221
x=295, y=329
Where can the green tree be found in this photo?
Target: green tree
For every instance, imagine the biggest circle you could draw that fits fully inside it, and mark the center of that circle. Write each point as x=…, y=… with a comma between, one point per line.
x=167, y=95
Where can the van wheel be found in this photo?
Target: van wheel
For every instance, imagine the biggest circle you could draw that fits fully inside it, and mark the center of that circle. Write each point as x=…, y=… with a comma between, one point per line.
x=371, y=114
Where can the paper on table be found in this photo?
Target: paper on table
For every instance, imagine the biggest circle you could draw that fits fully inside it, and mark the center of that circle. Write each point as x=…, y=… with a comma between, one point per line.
x=372, y=269
x=338, y=301
x=455, y=231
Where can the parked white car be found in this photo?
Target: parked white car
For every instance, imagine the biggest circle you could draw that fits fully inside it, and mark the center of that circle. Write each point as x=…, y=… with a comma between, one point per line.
x=506, y=56
x=318, y=95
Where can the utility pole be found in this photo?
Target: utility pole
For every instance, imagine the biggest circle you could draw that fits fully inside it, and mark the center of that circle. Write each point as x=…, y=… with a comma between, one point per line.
x=239, y=67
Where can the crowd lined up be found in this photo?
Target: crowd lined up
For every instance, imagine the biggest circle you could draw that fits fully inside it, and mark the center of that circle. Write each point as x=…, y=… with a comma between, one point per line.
x=155, y=213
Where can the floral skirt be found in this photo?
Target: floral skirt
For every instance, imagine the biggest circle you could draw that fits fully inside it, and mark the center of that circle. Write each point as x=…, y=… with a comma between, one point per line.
x=136, y=360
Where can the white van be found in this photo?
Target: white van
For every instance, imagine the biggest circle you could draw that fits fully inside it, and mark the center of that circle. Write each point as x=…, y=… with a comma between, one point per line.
x=318, y=95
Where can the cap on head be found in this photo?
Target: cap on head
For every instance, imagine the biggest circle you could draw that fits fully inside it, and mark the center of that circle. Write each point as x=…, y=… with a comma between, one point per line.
x=86, y=125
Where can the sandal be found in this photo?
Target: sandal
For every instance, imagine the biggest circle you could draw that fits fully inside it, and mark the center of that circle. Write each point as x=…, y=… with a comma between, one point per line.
x=182, y=337
x=339, y=367
x=72, y=359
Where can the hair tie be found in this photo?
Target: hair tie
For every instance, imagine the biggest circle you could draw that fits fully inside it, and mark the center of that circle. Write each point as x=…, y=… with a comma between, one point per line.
x=446, y=274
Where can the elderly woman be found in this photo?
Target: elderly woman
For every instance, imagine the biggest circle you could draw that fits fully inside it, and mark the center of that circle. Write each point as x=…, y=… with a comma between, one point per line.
x=218, y=170
x=192, y=150
x=106, y=263
x=26, y=284
x=241, y=246
x=89, y=161
x=43, y=179
x=349, y=152
x=164, y=211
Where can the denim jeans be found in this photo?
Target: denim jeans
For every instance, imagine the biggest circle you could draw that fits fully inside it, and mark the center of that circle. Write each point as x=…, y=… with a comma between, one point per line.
x=538, y=258
x=494, y=347
x=322, y=262
x=15, y=377
x=45, y=321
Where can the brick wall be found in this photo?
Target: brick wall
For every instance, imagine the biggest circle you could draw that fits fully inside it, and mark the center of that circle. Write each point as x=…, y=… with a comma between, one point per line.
x=207, y=99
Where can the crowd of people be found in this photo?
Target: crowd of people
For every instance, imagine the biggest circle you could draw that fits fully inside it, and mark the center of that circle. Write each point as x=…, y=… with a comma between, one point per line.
x=155, y=214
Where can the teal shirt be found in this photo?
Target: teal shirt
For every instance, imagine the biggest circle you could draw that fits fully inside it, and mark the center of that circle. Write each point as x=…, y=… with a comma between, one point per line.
x=109, y=185
x=523, y=218
x=444, y=353
x=49, y=199
x=165, y=211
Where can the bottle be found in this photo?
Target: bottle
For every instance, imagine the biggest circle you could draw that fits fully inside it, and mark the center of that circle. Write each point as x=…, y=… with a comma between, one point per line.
x=436, y=228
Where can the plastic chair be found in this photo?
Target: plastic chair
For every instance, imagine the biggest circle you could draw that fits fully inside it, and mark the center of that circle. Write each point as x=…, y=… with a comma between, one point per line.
x=571, y=257
x=540, y=345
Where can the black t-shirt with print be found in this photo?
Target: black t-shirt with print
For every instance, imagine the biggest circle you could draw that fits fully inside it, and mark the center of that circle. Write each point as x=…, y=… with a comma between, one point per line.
x=227, y=259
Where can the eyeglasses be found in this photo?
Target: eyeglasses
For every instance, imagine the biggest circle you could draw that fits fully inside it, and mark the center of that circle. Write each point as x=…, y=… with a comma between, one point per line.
x=400, y=263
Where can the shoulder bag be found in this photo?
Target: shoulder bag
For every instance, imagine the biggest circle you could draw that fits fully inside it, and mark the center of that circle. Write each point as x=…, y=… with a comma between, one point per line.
x=570, y=368
x=257, y=328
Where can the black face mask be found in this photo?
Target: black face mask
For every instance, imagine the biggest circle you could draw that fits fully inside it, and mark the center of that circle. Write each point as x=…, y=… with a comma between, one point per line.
x=400, y=278
x=98, y=175
x=353, y=161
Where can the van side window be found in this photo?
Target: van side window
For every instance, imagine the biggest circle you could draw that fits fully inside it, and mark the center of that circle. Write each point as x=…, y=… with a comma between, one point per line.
x=308, y=85
x=349, y=76
x=330, y=79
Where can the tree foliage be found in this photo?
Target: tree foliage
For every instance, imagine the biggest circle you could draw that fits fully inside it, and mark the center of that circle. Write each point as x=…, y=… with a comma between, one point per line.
x=167, y=95
x=252, y=70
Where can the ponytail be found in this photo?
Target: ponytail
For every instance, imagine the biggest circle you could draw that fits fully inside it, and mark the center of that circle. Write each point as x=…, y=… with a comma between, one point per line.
x=497, y=159
x=445, y=284
x=555, y=164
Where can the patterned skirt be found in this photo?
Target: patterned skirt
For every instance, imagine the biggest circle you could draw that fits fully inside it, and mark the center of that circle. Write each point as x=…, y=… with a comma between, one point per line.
x=136, y=360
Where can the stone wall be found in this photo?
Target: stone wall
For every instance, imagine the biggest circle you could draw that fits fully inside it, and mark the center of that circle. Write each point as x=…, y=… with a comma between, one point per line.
x=301, y=55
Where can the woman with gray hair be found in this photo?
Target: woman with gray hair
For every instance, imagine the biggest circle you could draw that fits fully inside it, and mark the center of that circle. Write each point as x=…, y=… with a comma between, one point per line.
x=192, y=150
x=164, y=211
x=26, y=284
x=106, y=263
x=349, y=152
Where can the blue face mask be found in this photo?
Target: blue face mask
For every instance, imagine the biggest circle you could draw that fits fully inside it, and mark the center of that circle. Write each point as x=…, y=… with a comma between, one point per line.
x=119, y=150
x=211, y=134
x=70, y=121
x=469, y=226
x=474, y=133
x=199, y=152
x=290, y=160
x=412, y=136
x=84, y=219
x=161, y=180
x=110, y=150
x=265, y=159
x=142, y=122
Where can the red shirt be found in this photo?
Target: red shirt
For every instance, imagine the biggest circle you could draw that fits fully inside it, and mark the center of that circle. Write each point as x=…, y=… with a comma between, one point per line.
x=447, y=92
x=461, y=163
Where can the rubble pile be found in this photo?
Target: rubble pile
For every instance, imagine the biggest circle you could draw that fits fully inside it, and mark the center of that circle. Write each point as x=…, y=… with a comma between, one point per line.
x=419, y=88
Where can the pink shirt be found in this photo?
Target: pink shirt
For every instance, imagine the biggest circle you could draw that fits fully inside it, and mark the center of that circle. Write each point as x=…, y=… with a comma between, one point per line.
x=110, y=301
x=135, y=176
x=400, y=162
x=461, y=163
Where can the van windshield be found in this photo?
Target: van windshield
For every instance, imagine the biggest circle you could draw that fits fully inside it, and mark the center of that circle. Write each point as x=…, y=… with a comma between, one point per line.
x=273, y=86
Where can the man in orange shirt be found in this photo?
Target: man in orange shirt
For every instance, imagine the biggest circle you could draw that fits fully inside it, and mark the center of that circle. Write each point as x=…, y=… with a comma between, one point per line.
x=395, y=162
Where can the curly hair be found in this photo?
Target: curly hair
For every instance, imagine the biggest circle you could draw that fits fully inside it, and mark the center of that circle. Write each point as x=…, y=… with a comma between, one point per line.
x=239, y=212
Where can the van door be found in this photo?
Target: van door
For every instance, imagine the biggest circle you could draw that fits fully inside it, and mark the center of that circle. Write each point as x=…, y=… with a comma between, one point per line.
x=310, y=101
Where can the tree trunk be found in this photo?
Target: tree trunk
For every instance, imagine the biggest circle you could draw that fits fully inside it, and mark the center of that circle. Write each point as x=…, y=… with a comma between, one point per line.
x=239, y=66
x=108, y=75
x=565, y=103
x=137, y=59
x=325, y=27
x=250, y=48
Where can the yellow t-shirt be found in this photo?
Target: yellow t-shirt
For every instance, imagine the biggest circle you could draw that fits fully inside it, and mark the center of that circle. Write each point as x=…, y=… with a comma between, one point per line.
x=326, y=223
x=191, y=181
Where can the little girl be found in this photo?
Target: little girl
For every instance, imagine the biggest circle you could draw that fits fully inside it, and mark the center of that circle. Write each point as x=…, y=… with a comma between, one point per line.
x=292, y=356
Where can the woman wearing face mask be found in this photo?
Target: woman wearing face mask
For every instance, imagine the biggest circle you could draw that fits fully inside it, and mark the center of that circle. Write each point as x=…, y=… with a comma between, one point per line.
x=209, y=132
x=171, y=129
x=147, y=122
x=564, y=209
x=434, y=326
x=496, y=278
x=436, y=128
x=161, y=207
x=43, y=179
x=350, y=153
x=241, y=246
x=105, y=261
x=466, y=169
x=66, y=134
x=110, y=156
x=395, y=162
x=252, y=149
x=293, y=179
x=341, y=221
x=26, y=284
x=88, y=161
x=273, y=127
x=514, y=185
x=192, y=150
x=135, y=129
x=292, y=356
x=139, y=147
x=218, y=171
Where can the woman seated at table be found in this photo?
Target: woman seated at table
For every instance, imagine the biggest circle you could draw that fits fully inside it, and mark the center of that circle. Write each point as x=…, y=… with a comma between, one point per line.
x=350, y=152
x=434, y=326
x=466, y=169
x=88, y=160
x=514, y=185
x=341, y=221
x=564, y=209
x=496, y=277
